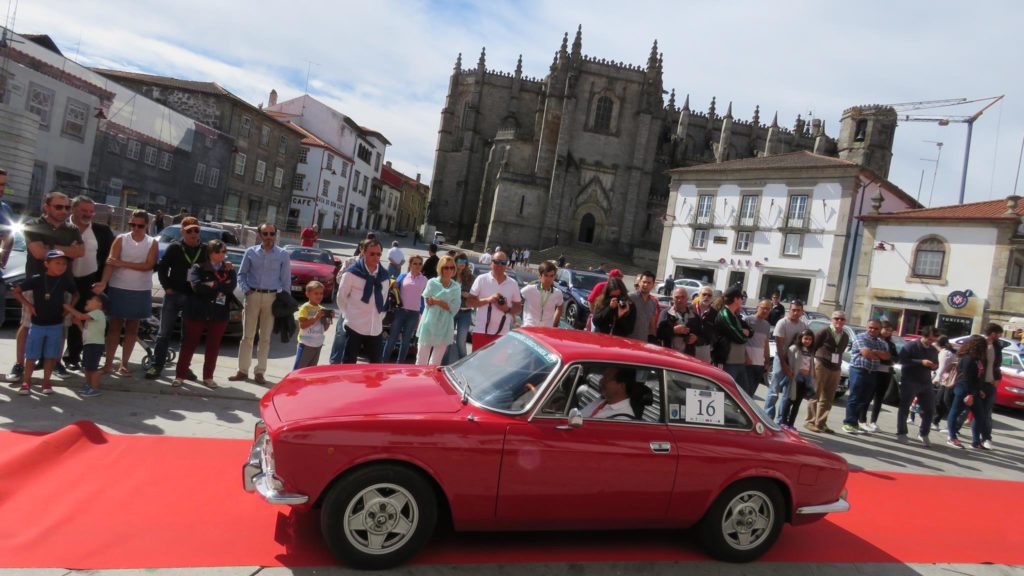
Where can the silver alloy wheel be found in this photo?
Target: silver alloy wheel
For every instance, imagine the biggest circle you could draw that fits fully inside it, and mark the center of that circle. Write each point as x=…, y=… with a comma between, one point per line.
x=748, y=520
x=381, y=518
x=572, y=315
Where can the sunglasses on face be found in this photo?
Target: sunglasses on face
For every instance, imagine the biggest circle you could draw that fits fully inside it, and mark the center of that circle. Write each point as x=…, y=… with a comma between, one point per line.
x=447, y=267
x=462, y=261
x=137, y=226
x=500, y=262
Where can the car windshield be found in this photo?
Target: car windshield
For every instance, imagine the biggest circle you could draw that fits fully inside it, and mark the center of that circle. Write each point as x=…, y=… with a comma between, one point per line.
x=173, y=233
x=506, y=375
x=312, y=256
x=235, y=257
x=586, y=282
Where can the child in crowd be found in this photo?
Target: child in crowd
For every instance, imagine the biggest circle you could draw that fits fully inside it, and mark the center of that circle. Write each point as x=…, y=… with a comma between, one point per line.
x=801, y=362
x=47, y=309
x=313, y=320
x=94, y=327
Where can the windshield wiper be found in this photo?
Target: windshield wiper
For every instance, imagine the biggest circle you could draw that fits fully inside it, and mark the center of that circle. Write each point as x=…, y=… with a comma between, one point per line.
x=464, y=398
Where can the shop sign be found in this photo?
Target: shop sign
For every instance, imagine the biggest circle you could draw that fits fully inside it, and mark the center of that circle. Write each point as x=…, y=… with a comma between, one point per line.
x=955, y=324
x=300, y=201
x=957, y=299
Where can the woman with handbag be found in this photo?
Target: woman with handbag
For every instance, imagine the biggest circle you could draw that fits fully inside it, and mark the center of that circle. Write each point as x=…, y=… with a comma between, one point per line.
x=404, y=301
x=207, y=309
x=970, y=375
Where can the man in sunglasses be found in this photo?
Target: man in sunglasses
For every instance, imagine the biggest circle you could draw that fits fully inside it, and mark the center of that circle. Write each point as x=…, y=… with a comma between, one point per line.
x=266, y=270
x=497, y=300
x=51, y=231
x=172, y=272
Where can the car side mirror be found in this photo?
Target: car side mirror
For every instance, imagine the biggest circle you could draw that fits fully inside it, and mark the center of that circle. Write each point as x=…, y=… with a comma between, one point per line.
x=575, y=418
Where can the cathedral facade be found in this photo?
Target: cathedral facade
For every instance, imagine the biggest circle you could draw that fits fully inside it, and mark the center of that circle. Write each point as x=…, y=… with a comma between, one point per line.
x=579, y=158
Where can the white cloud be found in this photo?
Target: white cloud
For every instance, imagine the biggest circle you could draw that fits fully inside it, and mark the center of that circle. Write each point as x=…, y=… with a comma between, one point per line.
x=387, y=63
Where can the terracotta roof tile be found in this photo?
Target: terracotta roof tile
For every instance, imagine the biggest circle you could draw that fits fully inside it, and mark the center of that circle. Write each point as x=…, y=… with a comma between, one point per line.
x=801, y=159
x=988, y=210
x=195, y=86
x=310, y=139
x=392, y=177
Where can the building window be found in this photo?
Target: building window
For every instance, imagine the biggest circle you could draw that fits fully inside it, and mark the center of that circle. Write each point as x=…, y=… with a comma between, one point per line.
x=364, y=154
x=151, y=155
x=376, y=161
x=743, y=241
x=299, y=182
x=330, y=161
x=264, y=136
x=355, y=181
x=792, y=243
x=214, y=177
x=522, y=204
x=797, y=217
x=261, y=171
x=278, y=177
x=303, y=155
x=340, y=191
x=40, y=103
x=344, y=169
x=200, y=173
x=929, y=257
x=366, y=182
x=166, y=161
x=861, y=131
x=603, y=114
x=705, y=211
x=246, y=127
x=134, y=147
x=75, y=119
x=282, y=146
x=240, y=164
x=209, y=141
x=113, y=144
x=700, y=239
x=326, y=188
x=748, y=211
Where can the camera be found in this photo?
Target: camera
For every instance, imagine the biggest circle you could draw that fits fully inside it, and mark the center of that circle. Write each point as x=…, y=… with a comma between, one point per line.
x=501, y=300
x=328, y=314
x=622, y=302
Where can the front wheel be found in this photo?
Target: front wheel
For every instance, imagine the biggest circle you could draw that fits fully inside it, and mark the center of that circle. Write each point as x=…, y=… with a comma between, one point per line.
x=572, y=315
x=378, y=517
x=744, y=521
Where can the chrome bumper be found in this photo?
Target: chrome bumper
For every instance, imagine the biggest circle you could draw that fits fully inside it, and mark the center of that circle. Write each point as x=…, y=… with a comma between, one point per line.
x=840, y=505
x=258, y=475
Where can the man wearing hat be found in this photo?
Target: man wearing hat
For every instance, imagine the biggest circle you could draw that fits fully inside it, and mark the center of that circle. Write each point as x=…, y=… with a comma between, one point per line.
x=46, y=311
x=172, y=270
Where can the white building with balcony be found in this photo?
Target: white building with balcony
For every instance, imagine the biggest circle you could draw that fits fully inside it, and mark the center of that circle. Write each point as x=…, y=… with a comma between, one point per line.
x=784, y=223
x=953, y=267
x=320, y=184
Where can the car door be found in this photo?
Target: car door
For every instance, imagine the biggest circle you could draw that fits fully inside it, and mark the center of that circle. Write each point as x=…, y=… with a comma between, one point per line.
x=602, y=474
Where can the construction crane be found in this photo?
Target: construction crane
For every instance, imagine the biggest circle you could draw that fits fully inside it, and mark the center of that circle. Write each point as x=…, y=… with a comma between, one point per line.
x=946, y=120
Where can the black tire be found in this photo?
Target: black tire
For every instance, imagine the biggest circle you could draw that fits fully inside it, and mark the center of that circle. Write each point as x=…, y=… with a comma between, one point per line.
x=747, y=509
x=147, y=361
x=402, y=506
x=572, y=315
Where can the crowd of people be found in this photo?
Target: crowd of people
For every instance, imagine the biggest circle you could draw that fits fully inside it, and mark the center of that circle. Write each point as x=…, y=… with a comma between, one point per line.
x=86, y=290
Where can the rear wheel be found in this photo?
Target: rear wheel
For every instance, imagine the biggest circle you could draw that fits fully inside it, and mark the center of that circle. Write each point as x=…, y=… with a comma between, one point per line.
x=572, y=315
x=379, y=516
x=744, y=521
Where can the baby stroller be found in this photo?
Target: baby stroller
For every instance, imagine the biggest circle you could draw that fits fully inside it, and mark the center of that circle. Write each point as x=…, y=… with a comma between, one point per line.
x=149, y=329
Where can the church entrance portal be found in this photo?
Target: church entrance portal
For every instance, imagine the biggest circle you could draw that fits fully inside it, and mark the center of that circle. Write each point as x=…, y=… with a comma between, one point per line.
x=587, y=226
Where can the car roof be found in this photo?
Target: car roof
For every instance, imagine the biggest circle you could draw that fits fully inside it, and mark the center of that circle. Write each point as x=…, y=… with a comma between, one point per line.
x=574, y=345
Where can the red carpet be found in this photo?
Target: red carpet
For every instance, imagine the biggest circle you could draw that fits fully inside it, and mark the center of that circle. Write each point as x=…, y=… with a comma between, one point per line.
x=82, y=499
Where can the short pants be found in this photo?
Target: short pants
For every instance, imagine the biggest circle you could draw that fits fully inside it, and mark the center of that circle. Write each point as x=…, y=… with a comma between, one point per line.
x=91, y=354
x=44, y=342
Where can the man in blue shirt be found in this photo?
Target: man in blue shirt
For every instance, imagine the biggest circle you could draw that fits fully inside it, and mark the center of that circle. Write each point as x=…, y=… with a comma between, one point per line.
x=266, y=270
x=868, y=350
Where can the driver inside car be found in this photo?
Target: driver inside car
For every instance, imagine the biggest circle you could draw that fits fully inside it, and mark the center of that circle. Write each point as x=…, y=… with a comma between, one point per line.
x=614, y=401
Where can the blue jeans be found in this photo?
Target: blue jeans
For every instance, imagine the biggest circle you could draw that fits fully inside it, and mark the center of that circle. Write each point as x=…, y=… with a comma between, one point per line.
x=739, y=374
x=174, y=305
x=862, y=388
x=982, y=430
x=403, y=324
x=457, y=349
x=340, y=337
x=778, y=385
x=958, y=406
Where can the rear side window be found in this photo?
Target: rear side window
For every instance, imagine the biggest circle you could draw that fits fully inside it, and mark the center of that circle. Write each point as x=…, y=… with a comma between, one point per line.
x=698, y=401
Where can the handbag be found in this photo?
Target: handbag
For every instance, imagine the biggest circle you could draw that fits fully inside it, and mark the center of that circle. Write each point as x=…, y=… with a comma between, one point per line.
x=394, y=300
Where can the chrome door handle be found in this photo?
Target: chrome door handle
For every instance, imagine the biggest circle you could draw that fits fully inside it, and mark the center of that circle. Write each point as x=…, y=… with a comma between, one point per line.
x=661, y=447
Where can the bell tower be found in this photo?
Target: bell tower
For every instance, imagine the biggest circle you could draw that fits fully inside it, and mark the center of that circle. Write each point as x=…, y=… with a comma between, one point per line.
x=866, y=137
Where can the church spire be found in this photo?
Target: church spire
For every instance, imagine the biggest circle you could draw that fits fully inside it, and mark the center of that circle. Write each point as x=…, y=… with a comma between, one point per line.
x=711, y=109
x=728, y=112
x=686, y=103
x=757, y=116
x=672, y=100
x=652, y=60
x=519, y=66
x=577, y=44
x=481, y=64
x=775, y=120
x=564, y=50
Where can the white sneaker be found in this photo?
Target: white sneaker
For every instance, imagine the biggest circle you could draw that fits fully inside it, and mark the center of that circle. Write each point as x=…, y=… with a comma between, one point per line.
x=924, y=440
x=987, y=444
x=870, y=427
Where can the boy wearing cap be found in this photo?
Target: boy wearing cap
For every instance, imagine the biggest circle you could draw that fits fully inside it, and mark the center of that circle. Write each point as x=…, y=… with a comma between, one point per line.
x=47, y=310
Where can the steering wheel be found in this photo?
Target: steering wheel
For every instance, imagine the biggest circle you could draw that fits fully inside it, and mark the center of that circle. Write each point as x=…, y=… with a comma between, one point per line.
x=529, y=391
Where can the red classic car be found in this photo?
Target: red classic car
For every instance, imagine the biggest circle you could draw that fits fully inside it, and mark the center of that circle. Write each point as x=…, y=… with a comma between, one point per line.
x=1010, y=389
x=498, y=441
x=310, y=264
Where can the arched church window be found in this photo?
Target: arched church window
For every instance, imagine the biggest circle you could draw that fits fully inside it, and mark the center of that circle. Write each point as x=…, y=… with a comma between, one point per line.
x=603, y=114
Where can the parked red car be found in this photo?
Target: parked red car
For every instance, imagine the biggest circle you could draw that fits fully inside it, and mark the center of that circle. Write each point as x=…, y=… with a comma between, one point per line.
x=310, y=264
x=497, y=441
x=1010, y=388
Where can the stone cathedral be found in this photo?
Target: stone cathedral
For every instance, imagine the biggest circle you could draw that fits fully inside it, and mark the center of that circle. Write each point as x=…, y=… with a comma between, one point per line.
x=579, y=158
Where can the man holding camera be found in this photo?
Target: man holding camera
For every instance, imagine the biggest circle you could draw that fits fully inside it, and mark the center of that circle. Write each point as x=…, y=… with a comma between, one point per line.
x=497, y=301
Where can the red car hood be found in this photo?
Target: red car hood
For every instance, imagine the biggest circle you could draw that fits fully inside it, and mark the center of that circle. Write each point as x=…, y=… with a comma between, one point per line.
x=364, y=390
x=312, y=268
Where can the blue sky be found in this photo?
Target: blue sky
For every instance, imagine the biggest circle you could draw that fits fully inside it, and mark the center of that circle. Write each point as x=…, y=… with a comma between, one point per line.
x=387, y=63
